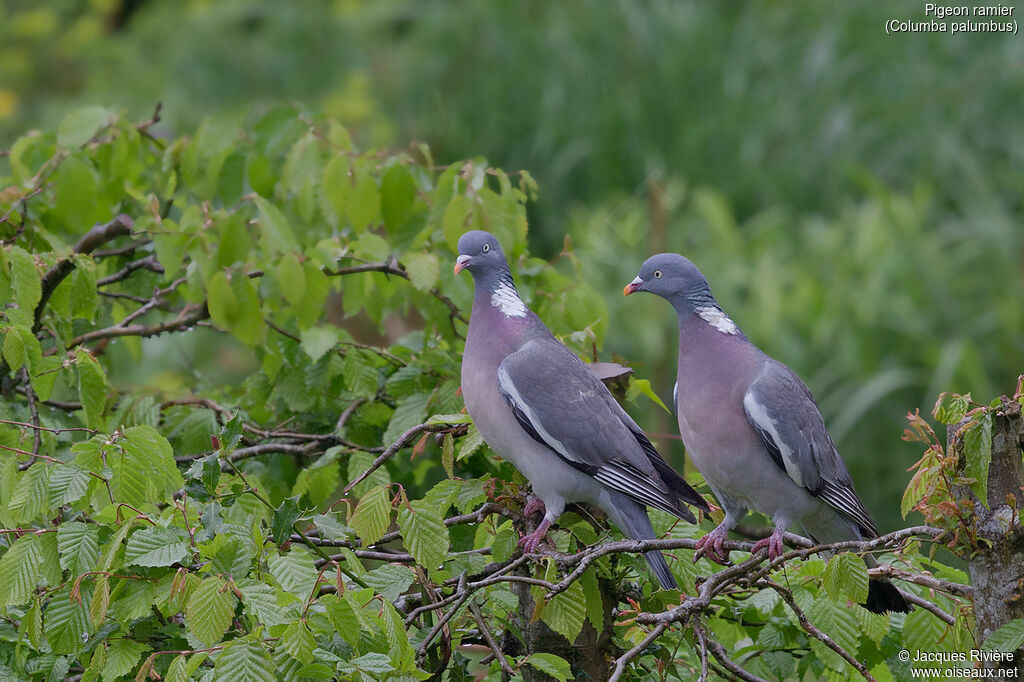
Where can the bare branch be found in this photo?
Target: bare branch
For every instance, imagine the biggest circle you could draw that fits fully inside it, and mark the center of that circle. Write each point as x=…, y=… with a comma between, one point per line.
x=499, y=655
x=622, y=661
x=394, y=448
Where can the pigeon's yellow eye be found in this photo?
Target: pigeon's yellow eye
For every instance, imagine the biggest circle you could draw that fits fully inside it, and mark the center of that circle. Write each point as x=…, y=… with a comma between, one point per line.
x=657, y=274
x=487, y=247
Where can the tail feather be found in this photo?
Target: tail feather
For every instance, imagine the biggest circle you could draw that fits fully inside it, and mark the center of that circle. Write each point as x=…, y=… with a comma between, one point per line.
x=661, y=570
x=883, y=596
x=631, y=518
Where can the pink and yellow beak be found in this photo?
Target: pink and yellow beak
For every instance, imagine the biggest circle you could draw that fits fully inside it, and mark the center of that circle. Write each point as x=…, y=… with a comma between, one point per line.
x=632, y=287
x=461, y=262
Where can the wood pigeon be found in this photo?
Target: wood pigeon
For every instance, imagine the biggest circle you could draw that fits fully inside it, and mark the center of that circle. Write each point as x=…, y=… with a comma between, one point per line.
x=753, y=430
x=538, y=406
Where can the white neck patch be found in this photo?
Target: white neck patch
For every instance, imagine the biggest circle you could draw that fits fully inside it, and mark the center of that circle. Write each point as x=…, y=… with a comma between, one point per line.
x=506, y=299
x=717, y=319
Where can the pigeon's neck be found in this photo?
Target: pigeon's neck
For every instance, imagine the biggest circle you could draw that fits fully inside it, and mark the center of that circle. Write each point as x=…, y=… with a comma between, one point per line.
x=699, y=308
x=497, y=294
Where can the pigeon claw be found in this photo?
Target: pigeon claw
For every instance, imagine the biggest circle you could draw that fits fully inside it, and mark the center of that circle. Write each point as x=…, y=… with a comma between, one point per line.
x=533, y=505
x=712, y=547
x=531, y=542
x=773, y=543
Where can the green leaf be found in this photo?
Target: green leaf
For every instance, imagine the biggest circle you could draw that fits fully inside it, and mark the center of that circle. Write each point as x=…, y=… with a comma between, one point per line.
x=244, y=660
x=397, y=195
x=550, y=664
x=566, y=612
x=295, y=572
x=209, y=610
x=316, y=341
x=26, y=285
x=847, y=575
x=80, y=125
x=1009, y=637
x=77, y=203
x=426, y=536
x=143, y=467
x=122, y=655
x=372, y=516
x=19, y=571
x=951, y=408
x=977, y=451
x=78, y=545
x=14, y=349
x=454, y=220
x=470, y=442
x=285, y=517
x=448, y=455
x=298, y=641
x=92, y=388
x=410, y=411
x=390, y=580
x=155, y=547
x=336, y=188
x=31, y=494
x=363, y=205
x=374, y=664
x=292, y=279
x=266, y=603
x=277, y=234
x=67, y=622
x=643, y=386
x=423, y=269
x=67, y=485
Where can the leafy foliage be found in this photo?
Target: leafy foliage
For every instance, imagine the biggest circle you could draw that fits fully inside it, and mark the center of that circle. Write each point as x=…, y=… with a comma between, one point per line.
x=312, y=504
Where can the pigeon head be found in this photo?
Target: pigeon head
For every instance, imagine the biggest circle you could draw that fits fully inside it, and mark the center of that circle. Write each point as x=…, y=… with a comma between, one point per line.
x=678, y=280
x=670, y=276
x=481, y=254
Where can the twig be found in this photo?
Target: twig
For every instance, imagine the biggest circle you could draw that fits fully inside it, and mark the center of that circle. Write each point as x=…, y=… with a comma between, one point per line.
x=392, y=449
x=702, y=648
x=148, y=263
x=624, y=659
x=488, y=636
x=809, y=628
x=181, y=322
x=720, y=654
x=101, y=233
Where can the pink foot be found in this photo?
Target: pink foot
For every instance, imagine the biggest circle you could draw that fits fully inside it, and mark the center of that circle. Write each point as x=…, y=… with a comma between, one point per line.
x=773, y=543
x=711, y=546
x=533, y=504
x=531, y=542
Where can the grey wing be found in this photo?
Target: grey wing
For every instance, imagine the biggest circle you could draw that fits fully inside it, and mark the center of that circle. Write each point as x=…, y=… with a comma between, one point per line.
x=563, y=406
x=783, y=413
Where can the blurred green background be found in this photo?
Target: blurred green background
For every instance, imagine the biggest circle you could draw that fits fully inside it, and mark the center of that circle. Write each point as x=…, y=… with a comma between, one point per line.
x=854, y=198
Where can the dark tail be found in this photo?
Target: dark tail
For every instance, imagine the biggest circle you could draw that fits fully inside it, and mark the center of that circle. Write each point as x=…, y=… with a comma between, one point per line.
x=883, y=596
x=660, y=569
x=631, y=518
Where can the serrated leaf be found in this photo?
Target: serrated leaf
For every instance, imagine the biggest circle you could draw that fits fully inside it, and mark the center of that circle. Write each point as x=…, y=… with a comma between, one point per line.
x=291, y=278
x=31, y=494
x=448, y=455
x=566, y=612
x=295, y=572
x=298, y=642
x=316, y=341
x=67, y=485
x=469, y=443
x=26, y=285
x=285, y=517
x=274, y=228
x=846, y=575
x=425, y=535
x=397, y=195
x=423, y=269
x=550, y=664
x=951, y=408
x=122, y=655
x=377, y=665
x=78, y=545
x=977, y=449
x=80, y=125
x=453, y=224
x=363, y=202
x=66, y=622
x=262, y=601
x=1009, y=637
x=389, y=580
x=92, y=388
x=156, y=547
x=19, y=570
x=372, y=516
x=143, y=467
x=244, y=660
x=209, y=611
